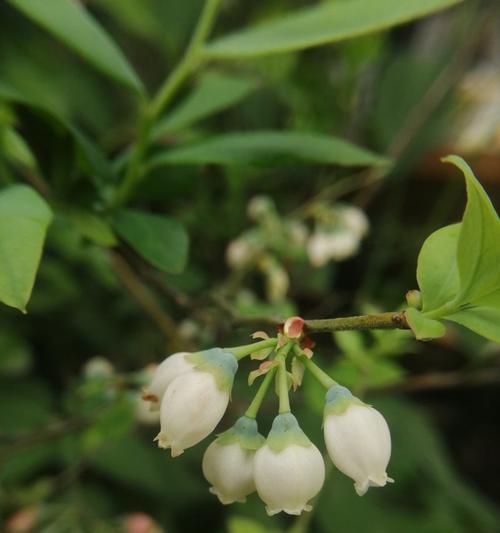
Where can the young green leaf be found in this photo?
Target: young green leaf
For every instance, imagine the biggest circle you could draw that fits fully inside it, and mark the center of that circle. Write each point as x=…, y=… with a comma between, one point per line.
x=68, y=21
x=160, y=240
x=484, y=321
x=91, y=152
x=478, y=248
x=91, y=226
x=423, y=328
x=278, y=147
x=24, y=219
x=213, y=93
x=458, y=272
x=437, y=272
x=326, y=23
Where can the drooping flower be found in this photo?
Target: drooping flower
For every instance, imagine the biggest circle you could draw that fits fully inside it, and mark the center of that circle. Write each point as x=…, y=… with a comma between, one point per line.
x=288, y=470
x=357, y=438
x=170, y=368
x=228, y=461
x=195, y=401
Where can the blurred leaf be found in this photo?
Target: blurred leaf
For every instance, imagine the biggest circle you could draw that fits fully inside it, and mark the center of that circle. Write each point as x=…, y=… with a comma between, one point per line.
x=213, y=93
x=92, y=153
x=24, y=218
x=350, y=341
x=393, y=107
x=24, y=463
x=160, y=240
x=91, y=226
x=72, y=24
x=424, y=328
x=28, y=404
x=326, y=23
x=16, y=149
x=15, y=354
x=242, y=524
x=144, y=468
x=374, y=373
x=269, y=147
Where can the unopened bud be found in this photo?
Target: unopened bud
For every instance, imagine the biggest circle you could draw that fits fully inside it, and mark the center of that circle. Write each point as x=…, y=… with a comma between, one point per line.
x=294, y=327
x=414, y=299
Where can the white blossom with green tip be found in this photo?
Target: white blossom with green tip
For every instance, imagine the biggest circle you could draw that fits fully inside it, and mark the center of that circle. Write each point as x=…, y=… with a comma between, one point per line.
x=228, y=461
x=195, y=402
x=357, y=439
x=288, y=470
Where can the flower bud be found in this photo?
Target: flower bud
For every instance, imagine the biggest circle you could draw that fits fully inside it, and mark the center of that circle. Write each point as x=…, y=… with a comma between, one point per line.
x=354, y=219
x=357, y=439
x=170, y=368
x=414, y=299
x=228, y=461
x=288, y=470
x=195, y=401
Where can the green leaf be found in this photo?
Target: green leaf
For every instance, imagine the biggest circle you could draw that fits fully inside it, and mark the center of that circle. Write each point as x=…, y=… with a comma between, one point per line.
x=16, y=150
x=437, y=272
x=91, y=226
x=29, y=404
x=326, y=23
x=242, y=524
x=484, y=321
x=373, y=373
x=24, y=218
x=478, y=248
x=143, y=470
x=458, y=272
x=243, y=148
x=350, y=341
x=160, y=240
x=213, y=93
x=16, y=356
x=90, y=151
x=68, y=21
x=424, y=328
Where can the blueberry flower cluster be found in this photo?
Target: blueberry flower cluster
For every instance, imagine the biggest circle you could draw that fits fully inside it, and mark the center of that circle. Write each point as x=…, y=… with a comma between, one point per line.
x=192, y=392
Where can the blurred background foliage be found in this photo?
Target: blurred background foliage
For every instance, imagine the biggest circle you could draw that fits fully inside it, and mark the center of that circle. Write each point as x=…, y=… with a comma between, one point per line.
x=76, y=451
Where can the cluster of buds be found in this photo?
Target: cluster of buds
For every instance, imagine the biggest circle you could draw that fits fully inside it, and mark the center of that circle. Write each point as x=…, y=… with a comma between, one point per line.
x=192, y=392
x=274, y=240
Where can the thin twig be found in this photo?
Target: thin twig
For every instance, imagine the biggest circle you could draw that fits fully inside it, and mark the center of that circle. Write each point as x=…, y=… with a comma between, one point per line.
x=143, y=296
x=392, y=320
x=441, y=380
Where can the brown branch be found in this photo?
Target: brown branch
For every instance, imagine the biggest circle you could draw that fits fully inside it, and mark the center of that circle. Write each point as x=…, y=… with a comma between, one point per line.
x=392, y=320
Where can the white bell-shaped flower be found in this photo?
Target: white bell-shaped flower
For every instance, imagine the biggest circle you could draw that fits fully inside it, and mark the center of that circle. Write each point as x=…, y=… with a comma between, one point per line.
x=357, y=438
x=195, y=401
x=228, y=461
x=170, y=368
x=288, y=470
